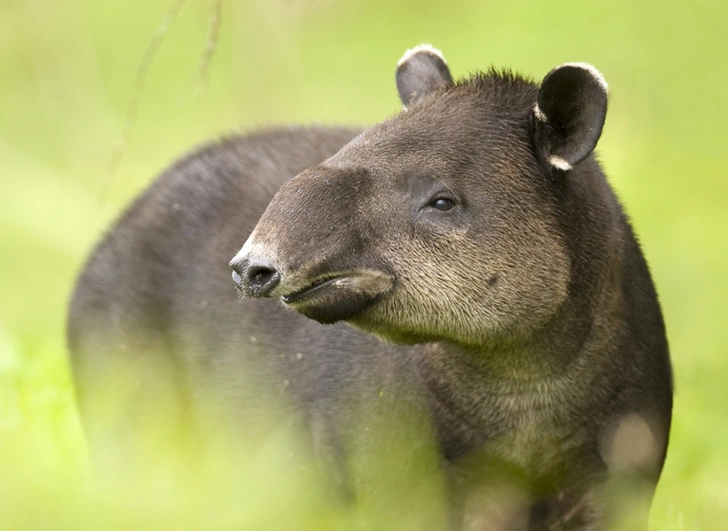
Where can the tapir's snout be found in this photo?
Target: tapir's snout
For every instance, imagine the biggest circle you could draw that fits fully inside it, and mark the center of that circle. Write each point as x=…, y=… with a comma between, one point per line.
x=310, y=250
x=254, y=277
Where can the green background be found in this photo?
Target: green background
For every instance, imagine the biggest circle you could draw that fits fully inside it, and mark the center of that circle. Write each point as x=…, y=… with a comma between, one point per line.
x=67, y=71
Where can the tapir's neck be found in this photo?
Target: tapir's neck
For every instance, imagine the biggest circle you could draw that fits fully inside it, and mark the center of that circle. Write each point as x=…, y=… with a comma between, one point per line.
x=479, y=393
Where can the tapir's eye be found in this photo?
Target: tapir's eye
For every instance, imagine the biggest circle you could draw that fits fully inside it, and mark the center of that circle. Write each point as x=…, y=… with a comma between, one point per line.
x=442, y=203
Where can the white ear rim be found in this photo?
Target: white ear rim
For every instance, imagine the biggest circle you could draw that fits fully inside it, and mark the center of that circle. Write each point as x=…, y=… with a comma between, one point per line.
x=539, y=113
x=559, y=163
x=420, y=48
x=596, y=74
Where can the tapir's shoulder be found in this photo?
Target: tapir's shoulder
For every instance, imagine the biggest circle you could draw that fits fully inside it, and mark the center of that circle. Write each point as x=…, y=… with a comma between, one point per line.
x=208, y=197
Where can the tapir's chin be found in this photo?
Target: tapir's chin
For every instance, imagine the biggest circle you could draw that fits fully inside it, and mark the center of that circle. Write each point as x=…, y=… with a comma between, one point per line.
x=339, y=296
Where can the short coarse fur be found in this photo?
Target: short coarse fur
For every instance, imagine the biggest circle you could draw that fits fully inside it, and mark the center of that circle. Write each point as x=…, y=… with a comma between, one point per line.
x=519, y=320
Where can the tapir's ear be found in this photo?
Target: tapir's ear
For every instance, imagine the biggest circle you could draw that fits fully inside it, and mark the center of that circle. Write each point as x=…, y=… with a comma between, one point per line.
x=572, y=105
x=420, y=71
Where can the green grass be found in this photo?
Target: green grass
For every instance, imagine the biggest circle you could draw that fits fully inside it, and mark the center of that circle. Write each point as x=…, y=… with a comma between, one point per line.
x=66, y=74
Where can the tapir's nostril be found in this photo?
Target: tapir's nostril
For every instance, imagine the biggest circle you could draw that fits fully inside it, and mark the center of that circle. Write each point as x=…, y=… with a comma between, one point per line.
x=262, y=278
x=255, y=277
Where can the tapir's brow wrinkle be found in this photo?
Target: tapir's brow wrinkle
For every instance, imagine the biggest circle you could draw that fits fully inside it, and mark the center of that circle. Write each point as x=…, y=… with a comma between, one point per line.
x=492, y=325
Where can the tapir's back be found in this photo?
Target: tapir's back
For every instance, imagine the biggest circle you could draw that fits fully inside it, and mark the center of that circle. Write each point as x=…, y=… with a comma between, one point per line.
x=155, y=300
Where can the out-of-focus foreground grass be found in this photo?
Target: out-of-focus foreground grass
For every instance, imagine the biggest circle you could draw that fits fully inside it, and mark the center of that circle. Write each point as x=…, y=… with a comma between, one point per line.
x=66, y=75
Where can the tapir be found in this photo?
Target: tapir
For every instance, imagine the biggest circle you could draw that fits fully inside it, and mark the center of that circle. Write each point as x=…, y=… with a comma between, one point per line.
x=453, y=295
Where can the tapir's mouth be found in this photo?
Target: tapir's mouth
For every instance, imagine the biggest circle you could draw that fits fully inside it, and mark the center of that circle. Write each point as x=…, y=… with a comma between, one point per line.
x=319, y=286
x=339, y=292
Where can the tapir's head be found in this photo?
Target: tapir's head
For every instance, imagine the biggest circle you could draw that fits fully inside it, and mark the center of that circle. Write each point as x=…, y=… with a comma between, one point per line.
x=440, y=223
